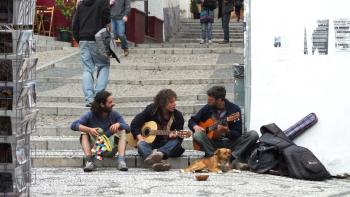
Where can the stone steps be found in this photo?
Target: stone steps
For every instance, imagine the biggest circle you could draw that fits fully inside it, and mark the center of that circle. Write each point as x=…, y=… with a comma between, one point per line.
x=219, y=50
x=75, y=90
x=69, y=158
x=126, y=109
x=235, y=42
x=183, y=45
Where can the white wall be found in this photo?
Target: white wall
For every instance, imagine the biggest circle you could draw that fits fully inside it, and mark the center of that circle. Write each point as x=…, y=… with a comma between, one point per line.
x=140, y=5
x=185, y=8
x=286, y=85
x=155, y=7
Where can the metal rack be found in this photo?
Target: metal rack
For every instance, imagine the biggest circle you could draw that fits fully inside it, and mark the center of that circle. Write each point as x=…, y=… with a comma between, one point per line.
x=17, y=95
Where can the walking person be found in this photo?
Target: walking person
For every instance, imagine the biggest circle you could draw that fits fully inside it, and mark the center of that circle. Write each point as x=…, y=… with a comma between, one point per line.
x=226, y=7
x=120, y=10
x=89, y=18
x=207, y=19
x=238, y=7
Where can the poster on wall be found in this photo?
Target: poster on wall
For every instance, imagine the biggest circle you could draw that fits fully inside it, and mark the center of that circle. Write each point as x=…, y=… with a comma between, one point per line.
x=342, y=35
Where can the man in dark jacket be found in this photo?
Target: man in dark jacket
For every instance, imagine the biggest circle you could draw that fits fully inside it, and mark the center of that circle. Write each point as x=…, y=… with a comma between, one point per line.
x=163, y=112
x=230, y=132
x=120, y=10
x=90, y=17
x=226, y=7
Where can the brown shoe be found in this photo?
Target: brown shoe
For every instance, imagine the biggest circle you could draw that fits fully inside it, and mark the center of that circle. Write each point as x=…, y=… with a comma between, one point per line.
x=126, y=52
x=161, y=166
x=153, y=158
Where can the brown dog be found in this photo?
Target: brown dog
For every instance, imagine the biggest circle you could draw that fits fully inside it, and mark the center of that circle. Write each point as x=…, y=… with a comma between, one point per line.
x=220, y=158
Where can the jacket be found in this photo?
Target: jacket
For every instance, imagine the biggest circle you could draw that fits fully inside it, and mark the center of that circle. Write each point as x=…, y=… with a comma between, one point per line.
x=235, y=128
x=119, y=9
x=90, y=17
x=150, y=113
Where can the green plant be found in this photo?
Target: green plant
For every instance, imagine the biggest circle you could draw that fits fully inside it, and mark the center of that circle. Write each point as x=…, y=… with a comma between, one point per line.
x=66, y=7
x=194, y=7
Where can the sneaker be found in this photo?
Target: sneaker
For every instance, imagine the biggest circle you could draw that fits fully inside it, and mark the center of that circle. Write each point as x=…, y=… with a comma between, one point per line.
x=89, y=166
x=161, y=166
x=210, y=42
x=153, y=158
x=202, y=41
x=122, y=166
x=126, y=52
x=224, y=42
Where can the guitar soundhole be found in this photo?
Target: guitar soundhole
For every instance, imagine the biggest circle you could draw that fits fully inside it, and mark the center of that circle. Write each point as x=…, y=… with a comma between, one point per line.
x=146, y=133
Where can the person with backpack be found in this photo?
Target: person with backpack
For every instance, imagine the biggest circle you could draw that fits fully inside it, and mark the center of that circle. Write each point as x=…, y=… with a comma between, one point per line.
x=207, y=19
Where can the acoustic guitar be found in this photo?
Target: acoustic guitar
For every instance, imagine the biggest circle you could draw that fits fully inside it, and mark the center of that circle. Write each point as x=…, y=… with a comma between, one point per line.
x=150, y=131
x=211, y=127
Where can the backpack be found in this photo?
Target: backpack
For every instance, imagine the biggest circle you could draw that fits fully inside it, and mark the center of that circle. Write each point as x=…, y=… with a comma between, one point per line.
x=210, y=4
x=277, y=152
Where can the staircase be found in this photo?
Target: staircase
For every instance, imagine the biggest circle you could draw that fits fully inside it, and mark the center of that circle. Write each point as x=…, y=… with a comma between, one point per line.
x=188, y=68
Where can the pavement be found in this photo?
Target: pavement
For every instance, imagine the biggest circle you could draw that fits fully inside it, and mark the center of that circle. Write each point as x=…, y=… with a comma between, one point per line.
x=144, y=182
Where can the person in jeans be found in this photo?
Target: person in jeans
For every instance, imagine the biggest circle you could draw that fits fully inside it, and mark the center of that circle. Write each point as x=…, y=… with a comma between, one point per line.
x=231, y=136
x=163, y=112
x=111, y=122
x=120, y=10
x=206, y=20
x=226, y=7
x=90, y=17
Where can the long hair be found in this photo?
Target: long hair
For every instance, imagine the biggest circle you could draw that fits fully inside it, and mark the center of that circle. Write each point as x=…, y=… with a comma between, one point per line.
x=162, y=98
x=100, y=98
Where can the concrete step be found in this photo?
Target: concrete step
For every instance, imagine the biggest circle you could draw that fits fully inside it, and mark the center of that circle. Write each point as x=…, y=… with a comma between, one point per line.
x=233, y=30
x=125, y=99
x=69, y=158
x=214, y=36
x=183, y=45
x=72, y=142
x=235, y=42
x=126, y=109
x=75, y=73
x=157, y=67
x=57, y=81
x=175, y=51
x=45, y=48
x=133, y=92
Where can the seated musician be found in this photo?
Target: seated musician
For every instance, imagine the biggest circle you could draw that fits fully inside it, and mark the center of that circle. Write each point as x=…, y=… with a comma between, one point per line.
x=163, y=112
x=228, y=133
x=110, y=122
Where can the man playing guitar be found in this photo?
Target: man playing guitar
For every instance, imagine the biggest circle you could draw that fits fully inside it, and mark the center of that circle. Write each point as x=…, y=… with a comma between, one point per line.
x=163, y=112
x=228, y=130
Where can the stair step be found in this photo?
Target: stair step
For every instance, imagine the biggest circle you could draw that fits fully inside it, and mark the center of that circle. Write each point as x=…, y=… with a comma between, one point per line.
x=219, y=50
x=69, y=158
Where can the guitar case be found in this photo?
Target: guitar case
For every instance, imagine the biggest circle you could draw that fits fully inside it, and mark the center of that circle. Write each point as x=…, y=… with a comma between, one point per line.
x=301, y=126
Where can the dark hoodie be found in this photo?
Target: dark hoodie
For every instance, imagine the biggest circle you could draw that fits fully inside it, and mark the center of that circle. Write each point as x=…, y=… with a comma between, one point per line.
x=89, y=18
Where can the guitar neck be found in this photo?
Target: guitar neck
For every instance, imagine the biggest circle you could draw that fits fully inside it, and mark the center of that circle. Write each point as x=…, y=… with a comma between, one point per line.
x=160, y=132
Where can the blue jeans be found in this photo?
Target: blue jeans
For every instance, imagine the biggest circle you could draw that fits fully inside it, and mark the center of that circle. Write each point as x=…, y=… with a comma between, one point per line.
x=207, y=29
x=225, y=25
x=171, y=148
x=118, y=29
x=91, y=58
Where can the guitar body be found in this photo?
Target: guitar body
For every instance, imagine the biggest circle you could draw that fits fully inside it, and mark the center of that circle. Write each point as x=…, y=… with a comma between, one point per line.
x=148, y=126
x=210, y=134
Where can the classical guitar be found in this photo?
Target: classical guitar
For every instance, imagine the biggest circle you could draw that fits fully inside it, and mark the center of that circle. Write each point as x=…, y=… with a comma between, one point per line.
x=150, y=131
x=211, y=126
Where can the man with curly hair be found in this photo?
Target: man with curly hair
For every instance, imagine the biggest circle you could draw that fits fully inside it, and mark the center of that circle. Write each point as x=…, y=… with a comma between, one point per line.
x=163, y=111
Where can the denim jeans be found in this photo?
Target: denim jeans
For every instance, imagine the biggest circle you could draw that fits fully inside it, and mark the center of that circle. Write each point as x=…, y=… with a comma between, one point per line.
x=91, y=58
x=118, y=29
x=207, y=31
x=240, y=147
x=225, y=25
x=171, y=148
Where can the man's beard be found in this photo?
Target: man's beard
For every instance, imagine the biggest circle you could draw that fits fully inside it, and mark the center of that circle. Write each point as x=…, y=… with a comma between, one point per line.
x=107, y=110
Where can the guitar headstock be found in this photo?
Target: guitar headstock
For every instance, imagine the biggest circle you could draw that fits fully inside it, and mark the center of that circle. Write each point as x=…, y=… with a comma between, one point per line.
x=184, y=134
x=234, y=117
